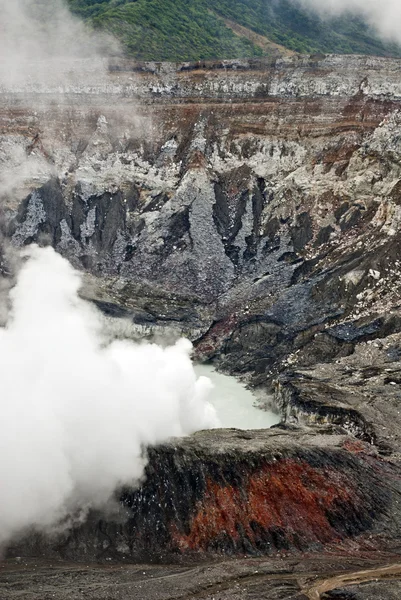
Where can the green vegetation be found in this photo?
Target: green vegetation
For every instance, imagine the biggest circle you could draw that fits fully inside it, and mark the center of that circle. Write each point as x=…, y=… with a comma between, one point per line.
x=195, y=30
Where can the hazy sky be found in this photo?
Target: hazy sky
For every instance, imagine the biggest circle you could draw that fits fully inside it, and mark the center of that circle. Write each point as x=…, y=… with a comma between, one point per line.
x=383, y=15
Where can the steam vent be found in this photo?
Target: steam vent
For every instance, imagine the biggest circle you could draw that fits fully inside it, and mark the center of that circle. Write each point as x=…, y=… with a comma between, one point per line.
x=253, y=207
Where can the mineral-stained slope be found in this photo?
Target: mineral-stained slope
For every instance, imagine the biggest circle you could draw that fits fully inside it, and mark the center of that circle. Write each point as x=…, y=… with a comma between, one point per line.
x=254, y=206
x=233, y=492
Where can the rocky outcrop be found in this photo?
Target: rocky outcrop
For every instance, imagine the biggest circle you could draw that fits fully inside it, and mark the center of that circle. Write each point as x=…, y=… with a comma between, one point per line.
x=235, y=492
x=360, y=392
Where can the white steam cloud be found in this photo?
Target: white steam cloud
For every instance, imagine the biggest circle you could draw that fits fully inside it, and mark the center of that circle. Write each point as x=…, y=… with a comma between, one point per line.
x=384, y=15
x=76, y=411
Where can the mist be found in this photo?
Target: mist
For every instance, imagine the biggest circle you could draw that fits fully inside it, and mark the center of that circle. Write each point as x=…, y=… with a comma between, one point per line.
x=76, y=410
x=41, y=41
x=44, y=50
x=384, y=17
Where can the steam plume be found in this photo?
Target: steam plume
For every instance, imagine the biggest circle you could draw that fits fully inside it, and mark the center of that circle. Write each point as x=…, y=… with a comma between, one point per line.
x=76, y=411
x=383, y=16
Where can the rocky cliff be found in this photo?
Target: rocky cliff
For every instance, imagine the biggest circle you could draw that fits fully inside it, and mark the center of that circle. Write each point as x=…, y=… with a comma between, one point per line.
x=260, y=198
x=255, y=207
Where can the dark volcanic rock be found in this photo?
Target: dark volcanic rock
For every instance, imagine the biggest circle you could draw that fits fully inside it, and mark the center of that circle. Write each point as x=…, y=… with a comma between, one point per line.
x=383, y=590
x=360, y=392
x=234, y=492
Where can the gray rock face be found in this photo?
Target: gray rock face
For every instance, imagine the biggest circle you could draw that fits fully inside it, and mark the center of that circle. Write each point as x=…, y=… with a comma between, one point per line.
x=270, y=210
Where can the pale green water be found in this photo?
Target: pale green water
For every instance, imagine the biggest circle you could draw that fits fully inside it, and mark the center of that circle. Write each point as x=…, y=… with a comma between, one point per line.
x=235, y=405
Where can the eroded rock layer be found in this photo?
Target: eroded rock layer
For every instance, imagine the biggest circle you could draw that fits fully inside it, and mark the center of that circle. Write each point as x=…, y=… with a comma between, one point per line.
x=253, y=205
